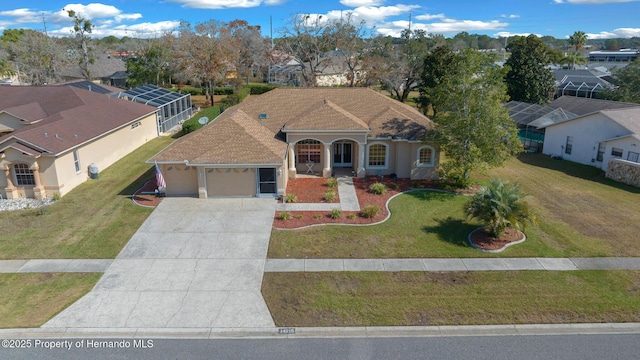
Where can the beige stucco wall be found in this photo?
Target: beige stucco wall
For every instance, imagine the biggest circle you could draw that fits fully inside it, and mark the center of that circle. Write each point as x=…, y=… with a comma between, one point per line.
x=103, y=152
x=181, y=180
x=424, y=171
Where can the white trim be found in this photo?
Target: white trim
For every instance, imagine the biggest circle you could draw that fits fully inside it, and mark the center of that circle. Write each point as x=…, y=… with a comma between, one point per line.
x=386, y=156
x=433, y=155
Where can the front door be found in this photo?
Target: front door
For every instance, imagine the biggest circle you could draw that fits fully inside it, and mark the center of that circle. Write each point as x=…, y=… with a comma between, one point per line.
x=267, y=181
x=342, y=154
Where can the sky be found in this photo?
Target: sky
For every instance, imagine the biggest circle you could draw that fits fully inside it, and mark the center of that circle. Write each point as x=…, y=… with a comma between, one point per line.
x=599, y=19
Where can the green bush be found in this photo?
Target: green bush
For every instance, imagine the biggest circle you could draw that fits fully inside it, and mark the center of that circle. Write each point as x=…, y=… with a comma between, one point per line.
x=329, y=195
x=257, y=89
x=190, y=90
x=285, y=215
x=290, y=198
x=335, y=214
x=377, y=188
x=223, y=91
x=351, y=216
x=229, y=101
x=317, y=216
x=370, y=211
x=243, y=93
x=191, y=125
x=56, y=196
x=393, y=186
x=299, y=216
x=332, y=182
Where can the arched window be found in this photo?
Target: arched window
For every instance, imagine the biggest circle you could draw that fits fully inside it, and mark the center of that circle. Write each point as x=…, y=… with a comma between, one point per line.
x=425, y=156
x=377, y=156
x=24, y=175
x=309, y=151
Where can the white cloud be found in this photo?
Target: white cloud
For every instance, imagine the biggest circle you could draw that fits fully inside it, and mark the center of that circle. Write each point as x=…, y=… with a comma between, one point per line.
x=356, y=3
x=373, y=14
x=22, y=16
x=427, y=17
x=591, y=1
x=617, y=33
x=511, y=16
x=226, y=4
x=141, y=30
x=506, y=34
x=445, y=26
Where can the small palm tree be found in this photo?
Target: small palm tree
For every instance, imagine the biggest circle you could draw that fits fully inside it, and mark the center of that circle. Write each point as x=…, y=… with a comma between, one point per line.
x=501, y=206
x=578, y=40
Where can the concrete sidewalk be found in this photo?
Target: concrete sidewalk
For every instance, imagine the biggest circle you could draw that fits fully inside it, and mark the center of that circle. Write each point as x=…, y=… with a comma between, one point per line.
x=470, y=264
x=346, y=192
x=54, y=265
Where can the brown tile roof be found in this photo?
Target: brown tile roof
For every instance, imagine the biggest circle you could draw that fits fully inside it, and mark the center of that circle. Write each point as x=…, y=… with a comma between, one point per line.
x=68, y=116
x=235, y=138
x=251, y=131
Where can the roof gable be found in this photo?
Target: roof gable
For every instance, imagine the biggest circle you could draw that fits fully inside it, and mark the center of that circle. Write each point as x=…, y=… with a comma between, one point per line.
x=325, y=116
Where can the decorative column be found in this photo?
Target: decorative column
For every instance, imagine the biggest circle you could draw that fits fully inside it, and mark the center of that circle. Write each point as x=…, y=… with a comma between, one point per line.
x=361, y=172
x=292, y=162
x=326, y=170
x=38, y=190
x=10, y=189
x=202, y=182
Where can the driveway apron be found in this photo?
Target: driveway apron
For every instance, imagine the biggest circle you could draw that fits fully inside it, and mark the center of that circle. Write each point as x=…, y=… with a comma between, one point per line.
x=193, y=263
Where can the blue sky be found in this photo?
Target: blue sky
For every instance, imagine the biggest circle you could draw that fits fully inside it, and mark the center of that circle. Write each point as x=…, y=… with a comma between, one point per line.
x=149, y=18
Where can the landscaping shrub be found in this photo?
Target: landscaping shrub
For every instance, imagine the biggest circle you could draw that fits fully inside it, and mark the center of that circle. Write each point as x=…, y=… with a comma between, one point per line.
x=393, y=186
x=243, y=93
x=377, y=188
x=332, y=182
x=317, y=216
x=370, y=211
x=190, y=90
x=223, y=91
x=191, y=125
x=229, y=101
x=351, y=216
x=285, y=215
x=335, y=214
x=329, y=195
x=290, y=198
x=299, y=216
x=257, y=89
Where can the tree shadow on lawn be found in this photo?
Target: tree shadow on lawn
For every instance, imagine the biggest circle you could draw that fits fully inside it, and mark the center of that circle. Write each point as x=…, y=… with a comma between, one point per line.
x=570, y=168
x=130, y=189
x=451, y=230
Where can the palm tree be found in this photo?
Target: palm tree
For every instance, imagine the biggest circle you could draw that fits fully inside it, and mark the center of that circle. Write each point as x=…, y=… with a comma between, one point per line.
x=501, y=206
x=578, y=40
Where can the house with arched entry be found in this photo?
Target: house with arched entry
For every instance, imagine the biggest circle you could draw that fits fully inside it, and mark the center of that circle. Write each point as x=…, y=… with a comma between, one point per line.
x=253, y=148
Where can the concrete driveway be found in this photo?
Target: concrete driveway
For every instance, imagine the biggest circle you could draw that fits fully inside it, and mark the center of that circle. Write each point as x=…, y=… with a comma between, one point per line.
x=193, y=263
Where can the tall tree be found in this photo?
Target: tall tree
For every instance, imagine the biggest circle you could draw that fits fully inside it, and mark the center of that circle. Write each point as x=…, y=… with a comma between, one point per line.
x=473, y=128
x=628, y=84
x=304, y=39
x=347, y=37
x=398, y=65
x=82, y=29
x=529, y=79
x=37, y=58
x=578, y=40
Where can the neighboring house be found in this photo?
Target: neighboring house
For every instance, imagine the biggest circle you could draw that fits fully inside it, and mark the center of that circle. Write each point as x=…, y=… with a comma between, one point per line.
x=253, y=148
x=333, y=71
x=104, y=65
x=49, y=135
x=533, y=119
x=284, y=69
x=580, y=83
x=595, y=138
x=117, y=79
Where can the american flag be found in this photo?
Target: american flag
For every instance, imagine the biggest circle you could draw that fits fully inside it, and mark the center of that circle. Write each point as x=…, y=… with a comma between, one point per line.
x=159, y=178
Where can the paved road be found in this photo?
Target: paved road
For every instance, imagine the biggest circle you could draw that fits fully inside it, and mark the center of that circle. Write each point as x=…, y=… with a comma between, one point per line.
x=193, y=263
x=578, y=347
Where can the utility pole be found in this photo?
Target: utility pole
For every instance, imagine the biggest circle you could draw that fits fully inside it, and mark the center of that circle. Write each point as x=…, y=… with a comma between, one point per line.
x=45, y=25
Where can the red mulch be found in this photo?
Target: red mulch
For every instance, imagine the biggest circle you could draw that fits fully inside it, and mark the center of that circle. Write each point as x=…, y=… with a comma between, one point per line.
x=146, y=200
x=481, y=239
x=365, y=198
x=310, y=190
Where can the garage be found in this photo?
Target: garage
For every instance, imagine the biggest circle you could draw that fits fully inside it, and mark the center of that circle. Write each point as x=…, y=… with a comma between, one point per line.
x=231, y=182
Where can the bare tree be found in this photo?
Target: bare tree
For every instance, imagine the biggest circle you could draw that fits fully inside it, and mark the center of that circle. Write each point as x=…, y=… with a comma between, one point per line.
x=37, y=57
x=348, y=39
x=304, y=40
x=82, y=28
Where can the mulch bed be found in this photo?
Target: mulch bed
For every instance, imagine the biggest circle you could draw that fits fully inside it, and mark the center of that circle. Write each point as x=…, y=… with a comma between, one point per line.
x=141, y=199
x=365, y=198
x=480, y=238
x=310, y=190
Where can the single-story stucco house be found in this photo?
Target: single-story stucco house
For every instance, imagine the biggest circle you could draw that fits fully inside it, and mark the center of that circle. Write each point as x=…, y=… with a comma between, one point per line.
x=49, y=135
x=253, y=148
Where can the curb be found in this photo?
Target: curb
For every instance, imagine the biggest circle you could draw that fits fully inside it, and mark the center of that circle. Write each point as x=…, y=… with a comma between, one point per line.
x=328, y=332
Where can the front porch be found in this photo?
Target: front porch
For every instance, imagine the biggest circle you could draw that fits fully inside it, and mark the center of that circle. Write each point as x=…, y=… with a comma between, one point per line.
x=314, y=158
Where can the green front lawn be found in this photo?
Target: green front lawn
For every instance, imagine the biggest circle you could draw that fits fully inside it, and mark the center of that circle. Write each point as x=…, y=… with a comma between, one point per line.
x=458, y=298
x=94, y=220
x=29, y=300
x=580, y=214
